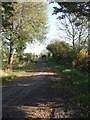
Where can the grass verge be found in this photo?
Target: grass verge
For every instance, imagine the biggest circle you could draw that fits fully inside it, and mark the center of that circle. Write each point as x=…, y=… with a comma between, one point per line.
x=7, y=77
x=79, y=83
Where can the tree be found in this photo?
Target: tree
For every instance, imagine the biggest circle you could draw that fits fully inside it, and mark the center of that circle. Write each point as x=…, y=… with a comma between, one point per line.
x=28, y=57
x=74, y=28
x=22, y=23
x=7, y=22
x=79, y=9
x=60, y=50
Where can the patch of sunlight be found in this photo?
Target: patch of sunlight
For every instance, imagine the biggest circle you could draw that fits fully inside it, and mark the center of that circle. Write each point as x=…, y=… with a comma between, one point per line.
x=58, y=78
x=2, y=73
x=45, y=104
x=58, y=66
x=35, y=112
x=44, y=73
x=25, y=85
x=67, y=70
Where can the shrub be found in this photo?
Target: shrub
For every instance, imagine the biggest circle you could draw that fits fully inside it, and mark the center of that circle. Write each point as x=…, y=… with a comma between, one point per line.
x=82, y=60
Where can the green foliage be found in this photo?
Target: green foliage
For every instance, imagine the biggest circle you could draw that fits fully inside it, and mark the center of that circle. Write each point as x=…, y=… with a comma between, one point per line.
x=77, y=8
x=75, y=22
x=28, y=57
x=78, y=84
x=61, y=50
x=22, y=23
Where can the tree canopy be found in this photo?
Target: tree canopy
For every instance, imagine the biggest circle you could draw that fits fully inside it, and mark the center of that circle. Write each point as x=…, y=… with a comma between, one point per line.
x=81, y=19
x=22, y=23
x=78, y=8
x=60, y=50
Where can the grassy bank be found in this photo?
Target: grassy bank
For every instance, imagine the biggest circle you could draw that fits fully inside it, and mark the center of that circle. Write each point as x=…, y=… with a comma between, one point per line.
x=79, y=83
x=9, y=76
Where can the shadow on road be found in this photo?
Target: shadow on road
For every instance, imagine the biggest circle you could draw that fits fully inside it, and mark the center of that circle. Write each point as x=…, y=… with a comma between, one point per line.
x=42, y=95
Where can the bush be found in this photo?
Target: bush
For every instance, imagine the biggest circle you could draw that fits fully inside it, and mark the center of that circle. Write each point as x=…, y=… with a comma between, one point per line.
x=82, y=60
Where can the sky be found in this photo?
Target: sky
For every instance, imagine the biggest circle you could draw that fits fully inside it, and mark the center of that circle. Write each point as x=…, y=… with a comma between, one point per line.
x=38, y=48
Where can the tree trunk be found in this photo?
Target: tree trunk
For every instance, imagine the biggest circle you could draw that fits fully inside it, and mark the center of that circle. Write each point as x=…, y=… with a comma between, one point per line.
x=89, y=39
x=73, y=43
x=11, y=54
x=79, y=46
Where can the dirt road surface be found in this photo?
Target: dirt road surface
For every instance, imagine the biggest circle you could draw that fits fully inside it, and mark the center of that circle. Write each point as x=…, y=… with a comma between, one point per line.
x=34, y=95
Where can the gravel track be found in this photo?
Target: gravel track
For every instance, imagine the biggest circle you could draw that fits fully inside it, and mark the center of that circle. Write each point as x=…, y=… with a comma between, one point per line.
x=34, y=97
